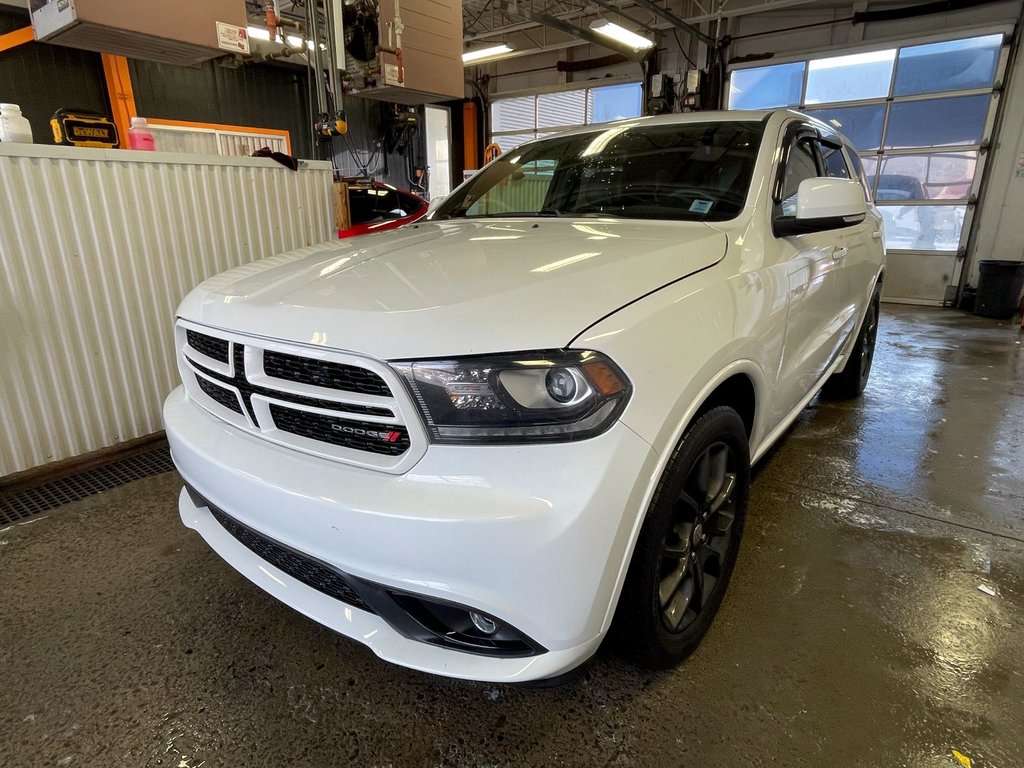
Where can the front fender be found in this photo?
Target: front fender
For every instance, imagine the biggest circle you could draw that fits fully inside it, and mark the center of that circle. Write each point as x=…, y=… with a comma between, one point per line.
x=677, y=346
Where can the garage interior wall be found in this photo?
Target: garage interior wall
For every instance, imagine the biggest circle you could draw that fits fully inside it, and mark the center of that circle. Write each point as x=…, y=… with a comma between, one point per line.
x=252, y=94
x=42, y=78
x=361, y=151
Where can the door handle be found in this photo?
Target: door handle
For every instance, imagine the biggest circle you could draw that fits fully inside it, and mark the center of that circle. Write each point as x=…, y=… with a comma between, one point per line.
x=876, y=235
x=838, y=254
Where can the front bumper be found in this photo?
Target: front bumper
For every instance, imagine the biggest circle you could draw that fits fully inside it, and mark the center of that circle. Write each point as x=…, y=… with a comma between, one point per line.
x=536, y=535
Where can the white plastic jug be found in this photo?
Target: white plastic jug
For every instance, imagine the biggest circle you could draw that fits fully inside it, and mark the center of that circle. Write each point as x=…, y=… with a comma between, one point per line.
x=14, y=127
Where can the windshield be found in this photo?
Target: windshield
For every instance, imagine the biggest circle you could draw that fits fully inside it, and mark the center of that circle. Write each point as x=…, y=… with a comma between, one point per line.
x=692, y=172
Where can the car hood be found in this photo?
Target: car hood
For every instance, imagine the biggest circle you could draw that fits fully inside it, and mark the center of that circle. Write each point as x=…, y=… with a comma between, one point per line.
x=455, y=287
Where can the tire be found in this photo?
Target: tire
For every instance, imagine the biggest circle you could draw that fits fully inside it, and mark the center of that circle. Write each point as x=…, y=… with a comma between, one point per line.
x=854, y=377
x=688, y=544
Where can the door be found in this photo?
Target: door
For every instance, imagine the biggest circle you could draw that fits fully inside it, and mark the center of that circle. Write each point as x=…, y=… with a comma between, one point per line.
x=819, y=312
x=439, y=144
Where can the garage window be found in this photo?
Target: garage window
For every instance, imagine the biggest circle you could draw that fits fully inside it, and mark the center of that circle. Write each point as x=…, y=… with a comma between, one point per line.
x=522, y=118
x=916, y=115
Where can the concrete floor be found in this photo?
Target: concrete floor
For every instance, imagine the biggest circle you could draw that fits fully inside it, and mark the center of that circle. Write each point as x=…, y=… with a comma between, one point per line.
x=854, y=633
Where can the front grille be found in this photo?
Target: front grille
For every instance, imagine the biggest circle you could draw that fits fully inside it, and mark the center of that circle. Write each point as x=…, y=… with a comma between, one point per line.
x=300, y=567
x=386, y=439
x=321, y=373
x=347, y=403
x=223, y=396
x=212, y=347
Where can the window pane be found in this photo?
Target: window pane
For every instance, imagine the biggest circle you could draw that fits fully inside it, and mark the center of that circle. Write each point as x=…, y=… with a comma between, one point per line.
x=835, y=163
x=849, y=78
x=513, y=114
x=563, y=108
x=801, y=165
x=766, y=87
x=523, y=191
x=861, y=125
x=927, y=177
x=923, y=227
x=948, y=66
x=937, y=122
x=859, y=173
x=511, y=140
x=613, y=102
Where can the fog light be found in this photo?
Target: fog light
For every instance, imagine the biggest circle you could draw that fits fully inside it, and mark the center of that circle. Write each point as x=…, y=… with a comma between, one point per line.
x=561, y=385
x=484, y=624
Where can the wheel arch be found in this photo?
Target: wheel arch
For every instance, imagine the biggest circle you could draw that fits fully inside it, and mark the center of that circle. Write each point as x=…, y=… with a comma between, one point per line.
x=739, y=385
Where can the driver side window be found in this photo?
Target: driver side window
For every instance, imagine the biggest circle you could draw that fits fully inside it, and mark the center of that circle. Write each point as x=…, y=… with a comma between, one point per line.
x=801, y=164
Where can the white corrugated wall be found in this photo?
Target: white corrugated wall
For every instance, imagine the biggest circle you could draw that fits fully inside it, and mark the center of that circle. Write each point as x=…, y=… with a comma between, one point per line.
x=97, y=247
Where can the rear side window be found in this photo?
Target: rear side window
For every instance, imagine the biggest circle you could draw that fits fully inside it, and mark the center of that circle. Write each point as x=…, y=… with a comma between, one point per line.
x=374, y=204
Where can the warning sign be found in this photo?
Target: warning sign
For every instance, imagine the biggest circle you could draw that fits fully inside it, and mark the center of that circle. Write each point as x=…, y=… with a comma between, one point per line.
x=232, y=38
x=391, y=75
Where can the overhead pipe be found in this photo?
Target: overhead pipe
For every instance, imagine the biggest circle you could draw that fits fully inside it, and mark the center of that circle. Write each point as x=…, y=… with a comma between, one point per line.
x=270, y=10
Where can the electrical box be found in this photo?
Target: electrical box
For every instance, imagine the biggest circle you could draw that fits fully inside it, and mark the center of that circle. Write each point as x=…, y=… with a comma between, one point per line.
x=694, y=88
x=661, y=87
x=429, y=68
x=154, y=30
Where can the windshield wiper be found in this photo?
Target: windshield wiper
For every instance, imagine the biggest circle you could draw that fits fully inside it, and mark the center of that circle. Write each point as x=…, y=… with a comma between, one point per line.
x=517, y=214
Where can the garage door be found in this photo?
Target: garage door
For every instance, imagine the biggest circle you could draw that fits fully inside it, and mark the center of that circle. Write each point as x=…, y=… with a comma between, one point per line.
x=918, y=115
x=523, y=118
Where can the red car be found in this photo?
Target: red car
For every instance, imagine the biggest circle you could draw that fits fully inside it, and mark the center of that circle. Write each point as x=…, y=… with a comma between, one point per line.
x=376, y=207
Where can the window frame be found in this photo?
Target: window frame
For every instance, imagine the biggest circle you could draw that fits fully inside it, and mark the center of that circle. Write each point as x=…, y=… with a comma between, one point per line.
x=536, y=131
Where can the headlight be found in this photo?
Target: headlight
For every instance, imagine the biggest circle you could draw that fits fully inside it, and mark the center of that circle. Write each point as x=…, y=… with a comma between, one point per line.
x=555, y=395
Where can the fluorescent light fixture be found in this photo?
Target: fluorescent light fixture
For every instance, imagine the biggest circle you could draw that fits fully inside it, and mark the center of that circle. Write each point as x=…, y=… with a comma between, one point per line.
x=493, y=51
x=613, y=31
x=258, y=33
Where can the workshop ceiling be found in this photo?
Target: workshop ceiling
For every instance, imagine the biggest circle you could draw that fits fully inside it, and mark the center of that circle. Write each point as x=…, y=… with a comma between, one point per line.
x=493, y=18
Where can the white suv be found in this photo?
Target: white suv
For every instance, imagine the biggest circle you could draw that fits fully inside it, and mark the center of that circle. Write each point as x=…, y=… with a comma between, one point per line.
x=483, y=443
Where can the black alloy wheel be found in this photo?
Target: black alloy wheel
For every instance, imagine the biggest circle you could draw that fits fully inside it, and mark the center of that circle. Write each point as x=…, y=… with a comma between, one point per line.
x=697, y=544
x=688, y=544
x=854, y=377
x=867, y=342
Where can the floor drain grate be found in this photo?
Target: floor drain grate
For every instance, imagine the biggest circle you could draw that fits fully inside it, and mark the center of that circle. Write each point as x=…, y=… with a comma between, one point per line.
x=25, y=502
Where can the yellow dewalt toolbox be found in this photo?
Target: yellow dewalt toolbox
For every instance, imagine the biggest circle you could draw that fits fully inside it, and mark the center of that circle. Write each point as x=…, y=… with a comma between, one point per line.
x=81, y=128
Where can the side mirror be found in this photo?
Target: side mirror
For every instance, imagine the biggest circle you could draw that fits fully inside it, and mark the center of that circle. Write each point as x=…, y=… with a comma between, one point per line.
x=821, y=204
x=435, y=203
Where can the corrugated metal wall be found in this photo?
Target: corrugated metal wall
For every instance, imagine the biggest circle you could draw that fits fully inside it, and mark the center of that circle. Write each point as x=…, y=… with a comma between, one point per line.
x=97, y=247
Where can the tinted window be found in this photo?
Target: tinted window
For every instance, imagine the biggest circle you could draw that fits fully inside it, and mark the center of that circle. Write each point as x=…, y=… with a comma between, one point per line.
x=613, y=102
x=695, y=171
x=764, y=87
x=858, y=170
x=800, y=165
x=861, y=125
x=950, y=66
x=835, y=163
x=368, y=205
x=849, y=78
x=937, y=122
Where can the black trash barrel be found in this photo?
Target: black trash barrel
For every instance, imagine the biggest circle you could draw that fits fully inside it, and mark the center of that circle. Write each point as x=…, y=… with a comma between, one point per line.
x=999, y=287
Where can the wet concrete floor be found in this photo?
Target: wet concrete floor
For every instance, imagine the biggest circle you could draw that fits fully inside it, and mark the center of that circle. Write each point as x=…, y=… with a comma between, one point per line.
x=854, y=633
